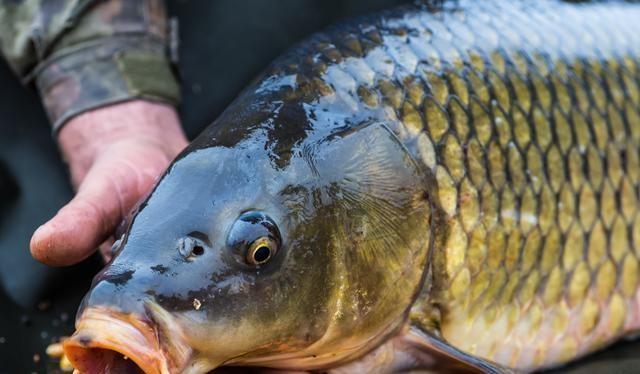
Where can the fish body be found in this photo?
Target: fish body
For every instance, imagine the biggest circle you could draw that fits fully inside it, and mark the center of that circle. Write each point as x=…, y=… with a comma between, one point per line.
x=459, y=181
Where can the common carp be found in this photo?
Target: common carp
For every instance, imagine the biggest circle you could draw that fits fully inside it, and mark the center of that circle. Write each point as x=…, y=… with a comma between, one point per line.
x=441, y=187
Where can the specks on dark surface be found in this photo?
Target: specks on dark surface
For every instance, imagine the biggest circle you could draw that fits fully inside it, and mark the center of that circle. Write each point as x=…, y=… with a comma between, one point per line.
x=25, y=333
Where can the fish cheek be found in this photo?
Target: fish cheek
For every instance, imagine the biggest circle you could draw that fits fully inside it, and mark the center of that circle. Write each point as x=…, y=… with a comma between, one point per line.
x=277, y=308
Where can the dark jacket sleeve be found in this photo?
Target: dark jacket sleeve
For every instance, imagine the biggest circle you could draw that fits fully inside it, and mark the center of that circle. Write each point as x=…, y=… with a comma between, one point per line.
x=85, y=54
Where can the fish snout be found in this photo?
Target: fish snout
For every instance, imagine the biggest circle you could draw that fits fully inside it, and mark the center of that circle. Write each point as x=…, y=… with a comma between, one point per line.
x=108, y=341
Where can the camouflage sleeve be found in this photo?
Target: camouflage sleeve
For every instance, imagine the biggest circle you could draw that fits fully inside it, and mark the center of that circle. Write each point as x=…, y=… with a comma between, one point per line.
x=85, y=54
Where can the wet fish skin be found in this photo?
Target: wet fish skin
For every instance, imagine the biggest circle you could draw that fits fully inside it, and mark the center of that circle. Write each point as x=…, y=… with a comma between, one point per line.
x=539, y=264
x=500, y=218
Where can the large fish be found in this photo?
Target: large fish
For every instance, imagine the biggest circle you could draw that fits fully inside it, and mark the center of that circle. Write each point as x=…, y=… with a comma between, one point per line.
x=454, y=185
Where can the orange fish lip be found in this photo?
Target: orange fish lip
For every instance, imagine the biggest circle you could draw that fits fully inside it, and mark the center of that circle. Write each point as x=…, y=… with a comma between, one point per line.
x=105, y=339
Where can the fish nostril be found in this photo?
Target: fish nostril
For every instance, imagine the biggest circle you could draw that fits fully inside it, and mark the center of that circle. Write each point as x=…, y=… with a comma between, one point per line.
x=190, y=247
x=198, y=250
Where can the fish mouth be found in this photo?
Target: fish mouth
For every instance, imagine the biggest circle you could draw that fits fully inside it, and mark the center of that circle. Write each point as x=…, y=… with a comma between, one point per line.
x=107, y=341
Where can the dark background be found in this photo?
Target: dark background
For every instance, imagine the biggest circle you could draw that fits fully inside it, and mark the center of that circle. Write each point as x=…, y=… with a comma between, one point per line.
x=224, y=45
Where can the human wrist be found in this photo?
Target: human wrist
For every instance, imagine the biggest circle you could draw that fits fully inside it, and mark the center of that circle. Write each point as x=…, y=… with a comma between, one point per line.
x=105, y=72
x=87, y=136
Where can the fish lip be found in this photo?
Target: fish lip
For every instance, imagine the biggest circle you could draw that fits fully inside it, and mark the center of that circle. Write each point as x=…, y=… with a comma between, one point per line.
x=103, y=334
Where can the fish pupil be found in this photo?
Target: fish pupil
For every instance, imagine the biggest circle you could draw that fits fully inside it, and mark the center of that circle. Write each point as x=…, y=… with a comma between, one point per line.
x=261, y=254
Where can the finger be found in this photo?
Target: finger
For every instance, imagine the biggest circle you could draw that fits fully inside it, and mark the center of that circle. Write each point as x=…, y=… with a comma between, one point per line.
x=105, y=249
x=109, y=189
x=76, y=230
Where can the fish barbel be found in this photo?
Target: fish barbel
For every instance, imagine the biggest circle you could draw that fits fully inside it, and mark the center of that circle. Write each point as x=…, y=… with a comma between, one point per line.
x=455, y=181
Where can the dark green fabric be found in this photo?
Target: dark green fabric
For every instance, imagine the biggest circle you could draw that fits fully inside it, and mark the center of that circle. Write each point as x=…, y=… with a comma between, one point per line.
x=73, y=49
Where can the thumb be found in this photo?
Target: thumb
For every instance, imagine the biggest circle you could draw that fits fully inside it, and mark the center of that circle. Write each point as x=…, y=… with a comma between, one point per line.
x=108, y=191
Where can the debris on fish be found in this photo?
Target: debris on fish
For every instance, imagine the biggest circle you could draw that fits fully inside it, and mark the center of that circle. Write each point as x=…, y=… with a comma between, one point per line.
x=432, y=188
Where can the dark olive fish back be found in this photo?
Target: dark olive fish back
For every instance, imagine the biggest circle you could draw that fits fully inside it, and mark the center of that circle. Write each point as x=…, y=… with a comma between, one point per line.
x=526, y=115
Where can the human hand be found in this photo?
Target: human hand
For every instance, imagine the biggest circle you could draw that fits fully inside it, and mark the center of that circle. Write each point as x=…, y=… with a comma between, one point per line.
x=115, y=155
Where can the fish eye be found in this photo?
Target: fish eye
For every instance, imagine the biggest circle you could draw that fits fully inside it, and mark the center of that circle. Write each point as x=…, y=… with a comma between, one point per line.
x=261, y=251
x=254, y=238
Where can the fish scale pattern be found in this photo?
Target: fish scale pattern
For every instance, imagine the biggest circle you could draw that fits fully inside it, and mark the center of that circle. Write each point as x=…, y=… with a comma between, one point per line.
x=527, y=114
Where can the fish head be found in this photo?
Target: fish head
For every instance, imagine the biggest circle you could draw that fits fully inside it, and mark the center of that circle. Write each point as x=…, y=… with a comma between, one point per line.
x=239, y=258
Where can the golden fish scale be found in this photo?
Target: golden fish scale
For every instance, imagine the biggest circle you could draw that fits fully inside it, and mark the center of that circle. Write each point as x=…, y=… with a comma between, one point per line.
x=528, y=116
x=536, y=162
